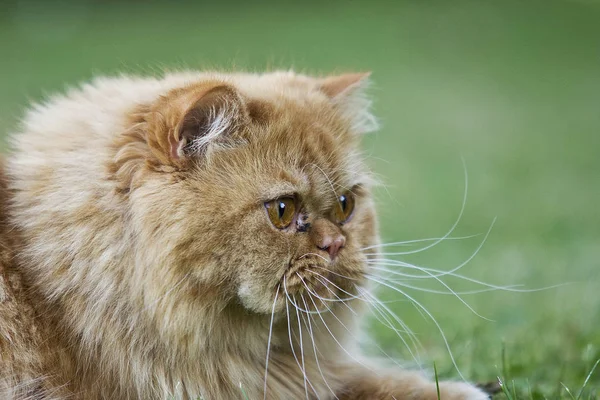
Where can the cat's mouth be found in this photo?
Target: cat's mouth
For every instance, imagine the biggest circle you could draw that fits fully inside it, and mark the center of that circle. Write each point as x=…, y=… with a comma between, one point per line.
x=313, y=286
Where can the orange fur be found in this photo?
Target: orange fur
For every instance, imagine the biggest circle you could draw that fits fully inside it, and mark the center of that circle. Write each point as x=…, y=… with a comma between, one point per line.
x=151, y=267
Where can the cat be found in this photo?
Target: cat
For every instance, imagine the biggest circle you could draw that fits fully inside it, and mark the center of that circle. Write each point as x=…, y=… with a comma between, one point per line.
x=197, y=235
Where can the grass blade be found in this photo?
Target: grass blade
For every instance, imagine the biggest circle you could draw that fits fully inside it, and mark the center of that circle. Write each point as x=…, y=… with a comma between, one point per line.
x=505, y=389
x=568, y=391
x=587, y=379
x=503, y=360
x=437, y=383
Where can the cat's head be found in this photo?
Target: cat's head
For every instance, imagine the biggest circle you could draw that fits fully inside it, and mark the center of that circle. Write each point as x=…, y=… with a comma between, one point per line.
x=250, y=186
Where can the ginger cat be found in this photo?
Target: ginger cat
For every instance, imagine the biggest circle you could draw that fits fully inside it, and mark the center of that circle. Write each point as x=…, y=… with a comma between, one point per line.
x=200, y=235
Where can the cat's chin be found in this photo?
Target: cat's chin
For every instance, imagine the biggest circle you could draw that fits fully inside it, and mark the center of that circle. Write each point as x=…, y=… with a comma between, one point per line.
x=284, y=301
x=298, y=291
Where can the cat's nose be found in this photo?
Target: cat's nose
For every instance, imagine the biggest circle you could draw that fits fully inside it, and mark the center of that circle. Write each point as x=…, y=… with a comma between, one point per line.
x=327, y=236
x=332, y=245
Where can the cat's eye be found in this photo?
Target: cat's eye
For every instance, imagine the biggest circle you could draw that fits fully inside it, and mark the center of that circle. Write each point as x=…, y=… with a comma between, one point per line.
x=343, y=208
x=281, y=211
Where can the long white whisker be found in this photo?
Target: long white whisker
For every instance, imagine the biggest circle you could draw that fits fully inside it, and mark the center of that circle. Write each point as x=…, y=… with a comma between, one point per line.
x=487, y=234
x=460, y=214
x=314, y=254
x=415, y=241
x=314, y=294
x=427, y=290
x=387, y=323
x=466, y=278
x=351, y=296
x=302, y=357
x=428, y=314
x=312, y=339
x=413, y=338
x=374, y=301
x=287, y=312
x=379, y=264
x=296, y=306
x=372, y=341
x=376, y=268
x=269, y=341
x=335, y=273
x=337, y=341
x=454, y=293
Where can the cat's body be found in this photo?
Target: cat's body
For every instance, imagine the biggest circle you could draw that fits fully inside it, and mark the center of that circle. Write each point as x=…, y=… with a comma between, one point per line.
x=140, y=258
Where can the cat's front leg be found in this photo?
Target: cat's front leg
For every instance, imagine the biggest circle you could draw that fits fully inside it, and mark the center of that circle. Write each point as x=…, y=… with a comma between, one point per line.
x=404, y=385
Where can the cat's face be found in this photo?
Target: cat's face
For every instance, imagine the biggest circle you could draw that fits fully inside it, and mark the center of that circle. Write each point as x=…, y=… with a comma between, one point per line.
x=253, y=191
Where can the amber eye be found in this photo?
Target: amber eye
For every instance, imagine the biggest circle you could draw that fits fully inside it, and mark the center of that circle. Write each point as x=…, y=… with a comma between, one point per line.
x=281, y=211
x=344, y=207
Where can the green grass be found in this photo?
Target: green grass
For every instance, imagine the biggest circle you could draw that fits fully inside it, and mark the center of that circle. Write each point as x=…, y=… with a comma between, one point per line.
x=437, y=382
x=511, y=86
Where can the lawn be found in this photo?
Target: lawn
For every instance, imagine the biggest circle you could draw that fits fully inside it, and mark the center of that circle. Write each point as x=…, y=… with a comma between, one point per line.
x=510, y=87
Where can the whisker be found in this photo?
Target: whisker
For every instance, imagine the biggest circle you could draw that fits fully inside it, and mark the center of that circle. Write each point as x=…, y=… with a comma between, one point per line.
x=429, y=315
x=379, y=264
x=302, y=357
x=510, y=288
x=312, y=339
x=413, y=338
x=414, y=241
x=366, y=297
x=460, y=214
x=427, y=290
x=269, y=341
x=450, y=290
x=314, y=254
x=403, y=275
x=351, y=296
x=376, y=302
x=337, y=341
x=287, y=312
x=335, y=273
x=479, y=247
x=296, y=306
x=314, y=294
x=371, y=340
x=337, y=300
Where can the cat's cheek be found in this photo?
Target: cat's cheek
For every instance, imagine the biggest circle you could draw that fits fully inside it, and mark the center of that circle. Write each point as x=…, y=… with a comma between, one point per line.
x=254, y=298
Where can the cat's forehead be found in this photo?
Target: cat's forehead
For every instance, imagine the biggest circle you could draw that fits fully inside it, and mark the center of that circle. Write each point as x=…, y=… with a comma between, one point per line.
x=297, y=156
x=302, y=141
x=294, y=138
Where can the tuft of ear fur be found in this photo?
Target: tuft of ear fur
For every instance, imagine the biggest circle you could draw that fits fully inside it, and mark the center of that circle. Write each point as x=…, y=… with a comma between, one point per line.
x=348, y=93
x=183, y=123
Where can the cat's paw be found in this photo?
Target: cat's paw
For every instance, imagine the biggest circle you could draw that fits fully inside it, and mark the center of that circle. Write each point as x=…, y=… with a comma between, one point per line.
x=460, y=391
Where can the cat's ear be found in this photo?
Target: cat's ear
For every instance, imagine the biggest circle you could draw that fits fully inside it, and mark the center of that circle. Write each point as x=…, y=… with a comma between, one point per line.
x=348, y=93
x=187, y=121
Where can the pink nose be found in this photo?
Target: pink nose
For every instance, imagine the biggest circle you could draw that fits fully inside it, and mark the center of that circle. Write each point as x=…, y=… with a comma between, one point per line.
x=332, y=244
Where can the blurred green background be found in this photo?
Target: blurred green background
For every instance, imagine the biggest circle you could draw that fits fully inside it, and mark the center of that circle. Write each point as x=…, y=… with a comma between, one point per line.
x=513, y=87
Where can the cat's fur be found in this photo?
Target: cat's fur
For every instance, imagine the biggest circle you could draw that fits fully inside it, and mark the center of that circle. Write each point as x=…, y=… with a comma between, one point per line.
x=138, y=261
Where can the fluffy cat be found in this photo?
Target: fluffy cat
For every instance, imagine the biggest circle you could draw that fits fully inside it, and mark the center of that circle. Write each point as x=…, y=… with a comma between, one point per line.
x=198, y=235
